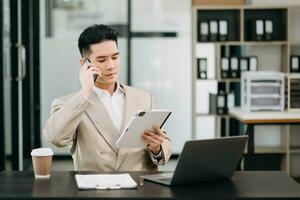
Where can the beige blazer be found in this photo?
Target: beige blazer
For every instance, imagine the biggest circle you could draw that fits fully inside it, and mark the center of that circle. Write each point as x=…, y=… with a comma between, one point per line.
x=86, y=127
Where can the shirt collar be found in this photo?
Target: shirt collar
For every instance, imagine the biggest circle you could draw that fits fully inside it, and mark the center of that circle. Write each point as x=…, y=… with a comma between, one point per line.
x=102, y=93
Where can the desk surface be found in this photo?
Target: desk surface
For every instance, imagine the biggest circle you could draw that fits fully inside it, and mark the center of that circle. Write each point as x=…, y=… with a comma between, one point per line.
x=62, y=185
x=266, y=117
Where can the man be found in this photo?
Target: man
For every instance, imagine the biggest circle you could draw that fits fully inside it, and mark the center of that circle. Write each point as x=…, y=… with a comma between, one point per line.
x=90, y=121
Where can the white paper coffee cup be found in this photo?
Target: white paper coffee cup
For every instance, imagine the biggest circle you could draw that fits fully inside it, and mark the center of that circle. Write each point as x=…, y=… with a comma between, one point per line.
x=42, y=161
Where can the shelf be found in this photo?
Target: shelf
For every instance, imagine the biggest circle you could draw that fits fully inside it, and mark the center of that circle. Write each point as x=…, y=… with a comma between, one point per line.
x=246, y=7
x=207, y=79
x=278, y=16
x=221, y=80
x=216, y=7
x=229, y=80
x=221, y=43
x=247, y=43
x=264, y=43
x=233, y=25
x=273, y=54
x=265, y=7
x=295, y=150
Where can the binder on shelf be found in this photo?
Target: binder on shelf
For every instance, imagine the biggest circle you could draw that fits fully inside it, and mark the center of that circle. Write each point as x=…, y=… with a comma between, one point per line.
x=294, y=64
x=253, y=62
x=213, y=30
x=204, y=32
x=212, y=103
x=225, y=67
x=234, y=67
x=217, y=103
x=268, y=30
x=244, y=64
x=259, y=30
x=221, y=87
x=223, y=30
x=202, y=68
x=230, y=100
x=221, y=104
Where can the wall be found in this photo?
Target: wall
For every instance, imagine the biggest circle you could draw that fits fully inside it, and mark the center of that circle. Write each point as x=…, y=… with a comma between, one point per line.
x=161, y=65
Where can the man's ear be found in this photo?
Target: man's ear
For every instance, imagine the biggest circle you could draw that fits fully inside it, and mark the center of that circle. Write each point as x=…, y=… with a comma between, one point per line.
x=81, y=61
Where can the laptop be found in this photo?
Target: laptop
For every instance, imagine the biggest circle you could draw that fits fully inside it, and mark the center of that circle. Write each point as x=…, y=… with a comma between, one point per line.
x=204, y=160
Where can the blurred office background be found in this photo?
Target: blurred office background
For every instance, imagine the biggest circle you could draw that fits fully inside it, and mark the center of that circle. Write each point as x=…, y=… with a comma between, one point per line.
x=156, y=55
x=152, y=36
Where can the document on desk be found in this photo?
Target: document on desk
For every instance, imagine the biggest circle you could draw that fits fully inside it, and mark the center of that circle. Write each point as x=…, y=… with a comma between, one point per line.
x=104, y=181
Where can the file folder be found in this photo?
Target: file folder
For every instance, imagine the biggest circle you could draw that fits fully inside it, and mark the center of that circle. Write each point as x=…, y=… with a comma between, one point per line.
x=234, y=67
x=244, y=64
x=253, y=63
x=259, y=30
x=202, y=68
x=230, y=100
x=217, y=103
x=204, y=31
x=213, y=30
x=294, y=64
x=221, y=104
x=223, y=30
x=225, y=67
x=268, y=30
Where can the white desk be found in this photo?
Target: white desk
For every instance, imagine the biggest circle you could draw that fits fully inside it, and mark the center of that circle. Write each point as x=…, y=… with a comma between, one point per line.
x=261, y=118
x=265, y=117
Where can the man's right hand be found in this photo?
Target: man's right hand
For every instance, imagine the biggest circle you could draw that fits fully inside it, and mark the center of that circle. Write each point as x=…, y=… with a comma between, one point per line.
x=86, y=72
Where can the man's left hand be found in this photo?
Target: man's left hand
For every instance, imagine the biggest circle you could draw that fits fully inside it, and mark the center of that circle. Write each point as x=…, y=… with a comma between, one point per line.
x=154, y=138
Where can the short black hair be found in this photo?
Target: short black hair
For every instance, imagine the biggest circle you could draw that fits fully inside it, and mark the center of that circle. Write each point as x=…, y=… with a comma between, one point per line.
x=95, y=34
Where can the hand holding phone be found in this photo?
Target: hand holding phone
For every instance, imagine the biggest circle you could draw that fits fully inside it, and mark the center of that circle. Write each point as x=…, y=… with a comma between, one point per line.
x=95, y=76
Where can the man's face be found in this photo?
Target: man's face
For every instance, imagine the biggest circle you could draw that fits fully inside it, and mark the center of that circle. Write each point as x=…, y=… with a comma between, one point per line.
x=106, y=56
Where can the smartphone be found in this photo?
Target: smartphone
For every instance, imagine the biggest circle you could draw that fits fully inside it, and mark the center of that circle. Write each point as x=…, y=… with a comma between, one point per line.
x=95, y=76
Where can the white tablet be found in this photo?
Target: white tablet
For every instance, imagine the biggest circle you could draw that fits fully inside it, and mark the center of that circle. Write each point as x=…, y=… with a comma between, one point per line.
x=131, y=136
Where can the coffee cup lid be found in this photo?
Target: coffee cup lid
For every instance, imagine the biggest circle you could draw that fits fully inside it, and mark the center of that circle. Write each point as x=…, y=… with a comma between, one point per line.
x=42, y=152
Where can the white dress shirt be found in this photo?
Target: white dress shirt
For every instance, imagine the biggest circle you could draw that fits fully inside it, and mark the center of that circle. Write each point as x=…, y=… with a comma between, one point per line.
x=114, y=104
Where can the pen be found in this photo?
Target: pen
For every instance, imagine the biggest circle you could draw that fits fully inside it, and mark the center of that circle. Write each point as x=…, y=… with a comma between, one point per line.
x=113, y=187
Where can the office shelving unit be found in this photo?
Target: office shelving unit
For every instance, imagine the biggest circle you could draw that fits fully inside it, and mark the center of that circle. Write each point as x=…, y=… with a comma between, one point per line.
x=272, y=55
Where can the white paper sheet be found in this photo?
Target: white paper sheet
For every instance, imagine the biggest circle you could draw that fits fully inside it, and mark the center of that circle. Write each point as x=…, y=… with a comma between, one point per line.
x=104, y=181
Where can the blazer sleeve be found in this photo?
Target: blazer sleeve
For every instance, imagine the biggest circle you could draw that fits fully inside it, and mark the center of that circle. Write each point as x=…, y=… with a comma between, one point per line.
x=65, y=116
x=165, y=146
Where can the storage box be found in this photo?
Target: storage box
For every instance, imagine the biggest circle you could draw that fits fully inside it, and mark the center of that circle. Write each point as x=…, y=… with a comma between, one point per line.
x=262, y=91
x=219, y=2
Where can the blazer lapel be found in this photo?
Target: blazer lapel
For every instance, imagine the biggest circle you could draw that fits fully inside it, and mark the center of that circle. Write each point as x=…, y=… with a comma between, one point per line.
x=103, y=122
x=130, y=109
